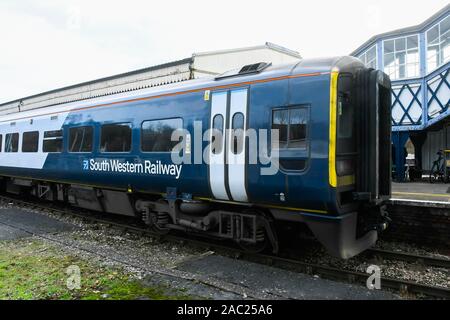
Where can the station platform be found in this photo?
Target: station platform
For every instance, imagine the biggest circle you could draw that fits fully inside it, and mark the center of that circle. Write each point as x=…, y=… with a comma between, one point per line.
x=420, y=213
x=422, y=192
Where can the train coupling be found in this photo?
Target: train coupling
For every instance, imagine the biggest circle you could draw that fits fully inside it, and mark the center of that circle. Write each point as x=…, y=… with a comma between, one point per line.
x=383, y=221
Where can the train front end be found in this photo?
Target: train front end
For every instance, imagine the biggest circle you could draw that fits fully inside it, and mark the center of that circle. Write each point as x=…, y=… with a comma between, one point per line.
x=359, y=158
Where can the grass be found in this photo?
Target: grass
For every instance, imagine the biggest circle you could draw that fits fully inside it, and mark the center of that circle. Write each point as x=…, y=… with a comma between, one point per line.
x=30, y=269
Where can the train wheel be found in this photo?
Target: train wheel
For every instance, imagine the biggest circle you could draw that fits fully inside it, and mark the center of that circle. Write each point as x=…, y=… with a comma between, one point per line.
x=159, y=221
x=158, y=226
x=260, y=245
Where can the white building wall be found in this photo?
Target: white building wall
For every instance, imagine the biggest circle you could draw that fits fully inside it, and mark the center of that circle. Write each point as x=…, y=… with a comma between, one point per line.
x=207, y=64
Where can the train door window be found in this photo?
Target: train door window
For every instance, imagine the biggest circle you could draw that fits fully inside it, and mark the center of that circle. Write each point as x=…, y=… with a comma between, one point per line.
x=80, y=139
x=30, y=141
x=156, y=135
x=217, y=136
x=12, y=142
x=292, y=125
x=116, y=137
x=53, y=141
x=1, y=140
x=238, y=133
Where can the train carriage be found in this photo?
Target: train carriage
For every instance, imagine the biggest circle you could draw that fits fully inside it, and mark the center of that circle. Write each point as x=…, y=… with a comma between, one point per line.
x=116, y=154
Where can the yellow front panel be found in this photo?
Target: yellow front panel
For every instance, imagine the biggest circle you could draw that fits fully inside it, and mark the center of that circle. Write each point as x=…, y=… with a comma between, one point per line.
x=332, y=144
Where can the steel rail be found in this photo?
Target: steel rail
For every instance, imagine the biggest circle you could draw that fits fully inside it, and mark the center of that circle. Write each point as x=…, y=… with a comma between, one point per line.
x=410, y=257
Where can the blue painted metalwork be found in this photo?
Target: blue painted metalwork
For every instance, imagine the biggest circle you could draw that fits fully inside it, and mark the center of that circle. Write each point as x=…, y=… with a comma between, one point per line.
x=407, y=117
x=399, y=139
x=443, y=100
x=423, y=55
x=380, y=55
x=433, y=98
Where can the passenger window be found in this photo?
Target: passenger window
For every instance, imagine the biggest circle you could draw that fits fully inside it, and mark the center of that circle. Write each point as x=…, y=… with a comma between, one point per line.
x=297, y=128
x=116, y=138
x=53, y=141
x=12, y=142
x=157, y=134
x=217, y=135
x=292, y=125
x=30, y=141
x=1, y=140
x=238, y=133
x=80, y=139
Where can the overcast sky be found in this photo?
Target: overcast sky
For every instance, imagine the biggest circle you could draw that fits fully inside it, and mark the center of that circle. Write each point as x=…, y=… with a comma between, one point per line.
x=46, y=44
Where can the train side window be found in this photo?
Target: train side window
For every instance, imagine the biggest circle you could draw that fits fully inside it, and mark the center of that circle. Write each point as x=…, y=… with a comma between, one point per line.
x=30, y=141
x=1, y=141
x=12, y=142
x=217, y=136
x=80, y=139
x=157, y=134
x=238, y=133
x=53, y=141
x=292, y=125
x=116, y=137
x=280, y=122
x=298, y=118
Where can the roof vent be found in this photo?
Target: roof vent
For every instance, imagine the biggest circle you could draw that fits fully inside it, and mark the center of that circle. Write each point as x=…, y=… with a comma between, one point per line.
x=245, y=70
x=252, y=68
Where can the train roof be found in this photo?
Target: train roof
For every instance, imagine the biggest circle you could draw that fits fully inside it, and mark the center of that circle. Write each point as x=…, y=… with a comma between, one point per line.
x=304, y=66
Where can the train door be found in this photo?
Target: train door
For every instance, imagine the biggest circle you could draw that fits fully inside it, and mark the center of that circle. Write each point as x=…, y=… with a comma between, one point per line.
x=227, y=157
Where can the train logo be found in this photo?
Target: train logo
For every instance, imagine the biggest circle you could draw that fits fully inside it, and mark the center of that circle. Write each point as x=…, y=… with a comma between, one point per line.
x=147, y=167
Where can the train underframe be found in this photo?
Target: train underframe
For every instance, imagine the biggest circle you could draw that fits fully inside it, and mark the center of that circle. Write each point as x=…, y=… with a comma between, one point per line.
x=253, y=228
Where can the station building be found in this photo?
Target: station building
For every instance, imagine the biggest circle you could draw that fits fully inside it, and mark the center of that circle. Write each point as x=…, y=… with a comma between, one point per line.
x=417, y=59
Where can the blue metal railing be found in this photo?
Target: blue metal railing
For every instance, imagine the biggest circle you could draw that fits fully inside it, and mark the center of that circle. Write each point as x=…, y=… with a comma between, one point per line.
x=422, y=93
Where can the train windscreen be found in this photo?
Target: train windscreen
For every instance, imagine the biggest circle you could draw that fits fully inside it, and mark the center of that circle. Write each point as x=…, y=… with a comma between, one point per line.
x=345, y=148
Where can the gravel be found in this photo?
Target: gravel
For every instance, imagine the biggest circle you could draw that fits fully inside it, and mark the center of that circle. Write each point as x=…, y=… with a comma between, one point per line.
x=415, y=272
x=414, y=249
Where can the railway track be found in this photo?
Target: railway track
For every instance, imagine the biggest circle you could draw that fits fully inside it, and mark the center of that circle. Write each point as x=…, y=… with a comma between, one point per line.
x=284, y=262
x=409, y=257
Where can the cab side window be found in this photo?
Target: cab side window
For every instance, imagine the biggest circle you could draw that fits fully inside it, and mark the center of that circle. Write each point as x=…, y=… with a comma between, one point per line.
x=292, y=126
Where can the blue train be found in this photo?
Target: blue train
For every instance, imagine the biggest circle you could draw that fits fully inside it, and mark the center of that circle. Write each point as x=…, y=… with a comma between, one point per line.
x=322, y=157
